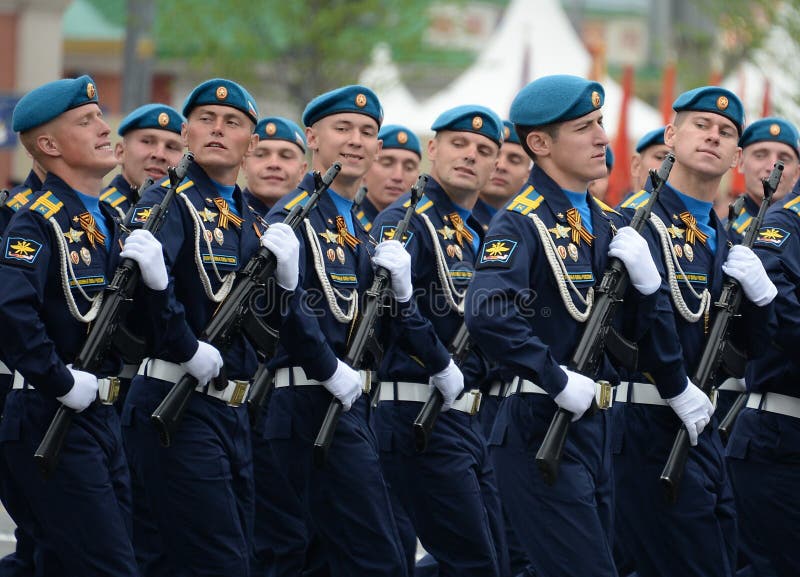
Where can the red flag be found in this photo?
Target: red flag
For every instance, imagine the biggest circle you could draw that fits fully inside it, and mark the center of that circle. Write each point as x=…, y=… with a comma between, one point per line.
x=766, y=104
x=667, y=92
x=619, y=183
x=715, y=78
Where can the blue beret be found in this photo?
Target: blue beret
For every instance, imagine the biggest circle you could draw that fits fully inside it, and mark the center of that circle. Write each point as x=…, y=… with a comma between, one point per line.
x=556, y=98
x=650, y=139
x=773, y=129
x=43, y=104
x=471, y=118
x=353, y=98
x=712, y=99
x=509, y=133
x=609, y=157
x=278, y=128
x=225, y=93
x=158, y=116
x=396, y=136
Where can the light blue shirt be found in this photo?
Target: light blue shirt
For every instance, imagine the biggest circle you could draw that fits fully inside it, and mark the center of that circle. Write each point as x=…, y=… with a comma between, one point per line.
x=344, y=206
x=701, y=211
x=580, y=201
x=226, y=192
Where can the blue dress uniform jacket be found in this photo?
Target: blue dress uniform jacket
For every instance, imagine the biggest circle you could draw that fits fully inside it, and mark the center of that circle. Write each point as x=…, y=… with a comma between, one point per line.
x=347, y=499
x=449, y=491
x=741, y=222
x=119, y=195
x=19, y=196
x=764, y=450
x=91, y=482
x=701, y=526
x=256, y=204
x=366, y=214
x=483, y=213
x=514, y=309
x=199, y=490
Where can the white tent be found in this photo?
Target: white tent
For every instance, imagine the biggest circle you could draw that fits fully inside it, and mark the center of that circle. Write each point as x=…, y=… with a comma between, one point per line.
x=533, y=39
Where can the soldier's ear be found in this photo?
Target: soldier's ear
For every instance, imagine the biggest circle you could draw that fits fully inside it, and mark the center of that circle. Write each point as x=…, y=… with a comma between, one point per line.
x=47, y=145
x=669, y=135
x=184, y=135
x=737, y=157
x=539, y=142
x=311, y=138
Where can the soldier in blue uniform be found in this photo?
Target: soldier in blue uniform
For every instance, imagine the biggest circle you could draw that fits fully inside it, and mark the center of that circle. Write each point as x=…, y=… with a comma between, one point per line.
x=276, y=165
x=151, y=142
x=199, y=490
x=697, y=534
x=510, y=174
x=449, y=491
x=346, y=499
x=392, y=174
x=650, y=153
x=526, y=306
x=762, y=452
x=58, y=254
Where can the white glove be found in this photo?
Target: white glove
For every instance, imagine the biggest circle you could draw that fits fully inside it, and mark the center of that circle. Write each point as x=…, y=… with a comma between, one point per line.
x=282, y=242
x=577, y=395
x=204, y=364
x=693, y=408
x=143, y=247
x=344, y=384
x=391, y=255
x=450, y=382
x=83, y=391
x=743, y=265
x=631, y=248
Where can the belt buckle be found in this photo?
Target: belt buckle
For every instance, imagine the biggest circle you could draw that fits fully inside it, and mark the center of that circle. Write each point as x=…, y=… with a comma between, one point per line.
x=605, y=396
x=367, y=385
x=113, y=391
x=476, y=402
x=713, y=396
x=239, y=391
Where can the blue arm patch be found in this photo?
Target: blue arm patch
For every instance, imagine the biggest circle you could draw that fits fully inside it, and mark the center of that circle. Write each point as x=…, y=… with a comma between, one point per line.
x=772, y=236
x=22, y=249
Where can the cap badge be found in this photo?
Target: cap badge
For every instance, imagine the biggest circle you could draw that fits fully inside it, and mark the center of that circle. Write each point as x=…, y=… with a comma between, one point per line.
x=402, y=137
x=163, y=119
x=222, y=93
x=774, y=129
x=477, y=122
x=361, y=100
x=90, y=90
x=506, y=132
x=595, y=99
x=270, y=129
x=722, y=102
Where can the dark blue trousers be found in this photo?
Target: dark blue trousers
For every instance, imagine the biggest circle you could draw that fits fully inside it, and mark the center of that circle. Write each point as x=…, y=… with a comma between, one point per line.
x=565, y=529
x=764, y=462
x=696, y=536
x=347, y=500
x=80, y=517
x=199, y=490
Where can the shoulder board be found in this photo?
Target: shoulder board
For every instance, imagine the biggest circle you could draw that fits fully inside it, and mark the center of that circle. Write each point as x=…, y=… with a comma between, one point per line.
x=424, y=204
x=604, y=207
x=185, y=186
x=525, y=201
x=112, y=196
x=300, y=199
x=47, y=204
x=793, y=205
x=19, y=200
x=742, y=221
x=636, y=200
x=362, y=218
x=164, y=183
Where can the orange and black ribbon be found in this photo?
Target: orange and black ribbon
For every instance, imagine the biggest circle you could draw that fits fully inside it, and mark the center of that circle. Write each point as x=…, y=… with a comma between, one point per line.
x=692, y=232
x=462, y=232
x=578, y=230
x=344, y=235
x=225, y=214
x=89, y=226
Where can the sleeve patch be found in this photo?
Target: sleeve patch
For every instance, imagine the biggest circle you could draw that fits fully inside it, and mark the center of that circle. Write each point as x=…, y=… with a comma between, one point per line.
x=387, y=233
x=497, y=252
x=772, y=236
x=22, y=249
x=141, y=214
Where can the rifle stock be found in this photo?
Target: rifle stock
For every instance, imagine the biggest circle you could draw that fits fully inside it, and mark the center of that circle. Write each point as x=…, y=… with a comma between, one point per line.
x=117, y=300
x=716, y=345
x=227, y=320
x=587, y=355
x=365, y=332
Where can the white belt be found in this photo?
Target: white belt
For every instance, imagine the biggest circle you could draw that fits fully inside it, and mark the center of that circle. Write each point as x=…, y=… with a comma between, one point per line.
x=470, y=401
x=4, y=370
x=107, y=388
x=296, y=376
x=641, y=394
x=731, y=384
x=233, y=394
x=775, y=403
x=603, y=391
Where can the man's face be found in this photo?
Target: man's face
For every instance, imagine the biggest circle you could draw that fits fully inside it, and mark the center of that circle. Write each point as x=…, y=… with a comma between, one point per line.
x=395, y=172
x=146, y=153
x=704, y=142
x=509, y=175
x=273, y=169
x=82, y=139
x=346, y=137
x=641, y=164
x=462, y=162
x=577, y=155
x=219, y=136
x=756, y=164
